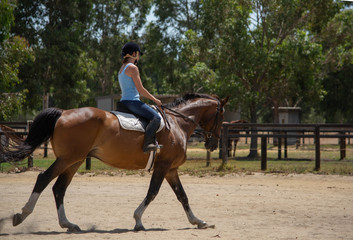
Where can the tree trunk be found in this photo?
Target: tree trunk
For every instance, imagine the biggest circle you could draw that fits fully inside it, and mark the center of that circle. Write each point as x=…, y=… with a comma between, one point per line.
x=45, y=100
x=275, y=119
x=253, y=144
x=275, y=112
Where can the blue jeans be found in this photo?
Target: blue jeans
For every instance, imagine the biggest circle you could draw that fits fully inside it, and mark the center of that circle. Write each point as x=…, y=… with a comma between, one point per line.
x=141, y=109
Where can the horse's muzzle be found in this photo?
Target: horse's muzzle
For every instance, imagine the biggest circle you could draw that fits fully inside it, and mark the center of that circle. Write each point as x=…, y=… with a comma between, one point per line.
x=211, y=144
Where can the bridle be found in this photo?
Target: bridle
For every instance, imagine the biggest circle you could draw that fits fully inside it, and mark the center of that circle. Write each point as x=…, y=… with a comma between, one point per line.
x=213, y=130
x=208, y=134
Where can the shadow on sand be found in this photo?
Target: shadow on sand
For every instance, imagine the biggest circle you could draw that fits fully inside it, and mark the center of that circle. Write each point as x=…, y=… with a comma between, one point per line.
x=114, y=231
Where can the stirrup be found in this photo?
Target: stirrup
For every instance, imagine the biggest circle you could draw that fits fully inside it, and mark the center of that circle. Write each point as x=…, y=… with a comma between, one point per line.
x=152, y=147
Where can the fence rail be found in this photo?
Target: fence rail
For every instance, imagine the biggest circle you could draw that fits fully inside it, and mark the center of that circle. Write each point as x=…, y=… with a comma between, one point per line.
x=285, y=131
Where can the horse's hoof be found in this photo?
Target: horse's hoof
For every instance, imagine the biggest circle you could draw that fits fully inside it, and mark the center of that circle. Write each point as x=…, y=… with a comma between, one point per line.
x=74, y=229
x=139, y=228
x=17, y=219
x=204, y=225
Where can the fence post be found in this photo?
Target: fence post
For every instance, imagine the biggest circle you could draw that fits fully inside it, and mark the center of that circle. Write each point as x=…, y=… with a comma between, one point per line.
x=208, y=161
x=285, y=146
x=342, y=146
x=88, y=163
x=45, y=149
x=224, y=144
x=30, y=161
x=317, y=148
x=279, y=148
x=263, y=153
x=30, y=158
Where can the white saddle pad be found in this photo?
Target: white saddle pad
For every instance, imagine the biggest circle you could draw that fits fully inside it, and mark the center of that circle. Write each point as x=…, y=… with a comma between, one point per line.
x=130, y=122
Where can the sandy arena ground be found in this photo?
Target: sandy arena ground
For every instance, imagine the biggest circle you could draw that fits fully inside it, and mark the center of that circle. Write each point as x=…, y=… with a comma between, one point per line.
x=241, y=206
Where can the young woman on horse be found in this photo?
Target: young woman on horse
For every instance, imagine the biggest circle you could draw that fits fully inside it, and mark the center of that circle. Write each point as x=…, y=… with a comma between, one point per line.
x=131, y=88
x=77, y=133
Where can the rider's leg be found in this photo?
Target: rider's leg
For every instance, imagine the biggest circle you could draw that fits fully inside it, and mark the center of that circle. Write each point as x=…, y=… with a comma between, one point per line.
x=151, y=115
x=150, y=136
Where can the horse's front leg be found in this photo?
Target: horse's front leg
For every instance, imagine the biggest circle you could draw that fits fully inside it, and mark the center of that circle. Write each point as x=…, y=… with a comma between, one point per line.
x=174, y=181
x=158, y=175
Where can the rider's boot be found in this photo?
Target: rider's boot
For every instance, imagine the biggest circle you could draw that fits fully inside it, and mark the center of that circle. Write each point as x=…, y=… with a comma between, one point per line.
x=150, y=143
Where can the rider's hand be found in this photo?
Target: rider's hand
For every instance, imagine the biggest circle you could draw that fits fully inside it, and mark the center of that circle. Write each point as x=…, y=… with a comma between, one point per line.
x=158, y=102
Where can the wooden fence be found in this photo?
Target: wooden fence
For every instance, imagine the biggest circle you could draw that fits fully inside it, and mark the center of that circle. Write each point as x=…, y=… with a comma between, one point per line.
x=285, y=131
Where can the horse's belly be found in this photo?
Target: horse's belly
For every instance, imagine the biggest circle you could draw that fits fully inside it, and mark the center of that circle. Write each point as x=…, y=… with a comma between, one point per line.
x=124, y=153
x=127, y=162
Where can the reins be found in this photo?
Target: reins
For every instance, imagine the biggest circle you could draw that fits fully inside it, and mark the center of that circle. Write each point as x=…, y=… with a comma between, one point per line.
x=180, y=114
x=208, y=133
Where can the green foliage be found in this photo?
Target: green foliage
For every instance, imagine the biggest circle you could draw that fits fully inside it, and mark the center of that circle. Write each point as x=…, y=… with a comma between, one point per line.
x=197, y=76
x=107, y=35
x=56, y=36
x=14, y=51
x=338, y=46
x=263, y=54
x=158, y=63
x=337, y=40
x=6, y=19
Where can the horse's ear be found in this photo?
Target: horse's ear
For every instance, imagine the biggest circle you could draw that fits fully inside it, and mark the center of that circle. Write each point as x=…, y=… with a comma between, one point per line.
x=224, y=101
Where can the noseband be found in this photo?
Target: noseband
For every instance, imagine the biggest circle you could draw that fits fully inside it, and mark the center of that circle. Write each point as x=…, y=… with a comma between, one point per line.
x=210, y=133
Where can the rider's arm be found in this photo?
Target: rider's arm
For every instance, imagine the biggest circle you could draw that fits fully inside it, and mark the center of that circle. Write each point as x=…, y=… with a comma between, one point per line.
x=133, y=72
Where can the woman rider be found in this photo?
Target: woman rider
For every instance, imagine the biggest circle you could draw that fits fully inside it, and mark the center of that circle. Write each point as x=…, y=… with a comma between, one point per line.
x=131, y=88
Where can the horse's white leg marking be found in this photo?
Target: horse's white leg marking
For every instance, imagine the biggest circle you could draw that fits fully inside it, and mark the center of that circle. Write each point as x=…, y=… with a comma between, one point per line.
x=194, y=220
x=18, y=218
x=28, y=208
x=63, y=222
x=138, y=215
x=62, y=217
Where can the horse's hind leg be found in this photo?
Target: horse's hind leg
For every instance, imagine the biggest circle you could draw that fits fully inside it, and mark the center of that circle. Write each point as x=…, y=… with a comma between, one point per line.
x=174, y=181
x=59, y=190
x=42, y=182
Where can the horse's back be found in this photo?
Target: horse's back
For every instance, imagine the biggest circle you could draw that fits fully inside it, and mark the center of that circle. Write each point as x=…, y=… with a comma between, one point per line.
x=79, y=116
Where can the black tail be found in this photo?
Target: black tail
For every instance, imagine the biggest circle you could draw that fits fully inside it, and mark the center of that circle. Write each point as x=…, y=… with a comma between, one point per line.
x=41, y=130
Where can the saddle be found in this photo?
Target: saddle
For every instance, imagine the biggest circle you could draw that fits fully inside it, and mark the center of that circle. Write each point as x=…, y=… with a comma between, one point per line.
x=130, y=121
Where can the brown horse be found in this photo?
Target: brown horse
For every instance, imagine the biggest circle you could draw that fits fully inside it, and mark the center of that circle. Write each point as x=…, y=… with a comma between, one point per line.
x=234, y=141
x=77, y=133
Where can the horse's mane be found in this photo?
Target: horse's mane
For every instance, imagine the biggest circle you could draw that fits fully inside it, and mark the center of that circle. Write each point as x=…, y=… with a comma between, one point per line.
x=191, y=96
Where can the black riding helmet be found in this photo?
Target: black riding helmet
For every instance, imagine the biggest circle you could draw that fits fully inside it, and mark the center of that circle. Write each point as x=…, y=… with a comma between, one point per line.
x=129, y=48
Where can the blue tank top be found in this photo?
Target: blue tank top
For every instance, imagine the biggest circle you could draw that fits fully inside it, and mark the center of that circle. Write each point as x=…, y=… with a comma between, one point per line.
x=127, y=86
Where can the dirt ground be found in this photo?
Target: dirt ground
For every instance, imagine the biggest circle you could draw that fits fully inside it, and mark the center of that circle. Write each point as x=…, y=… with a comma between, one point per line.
x=241, y=207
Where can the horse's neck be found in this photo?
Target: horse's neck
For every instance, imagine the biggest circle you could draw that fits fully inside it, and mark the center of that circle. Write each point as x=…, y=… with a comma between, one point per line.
x=193, y=111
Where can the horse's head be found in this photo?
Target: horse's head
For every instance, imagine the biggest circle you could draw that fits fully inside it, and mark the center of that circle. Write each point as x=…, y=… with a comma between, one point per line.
x=212, y=123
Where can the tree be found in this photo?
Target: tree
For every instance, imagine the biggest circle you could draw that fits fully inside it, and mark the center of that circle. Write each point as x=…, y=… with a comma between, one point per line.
x=295, y=72
x=177, y=16
x=158, y=64
x=55, y=30
x=14, y=51
x=113, y=23
x=197, y=76
x=263, y=51
x=162, y=39
x=338, y=48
